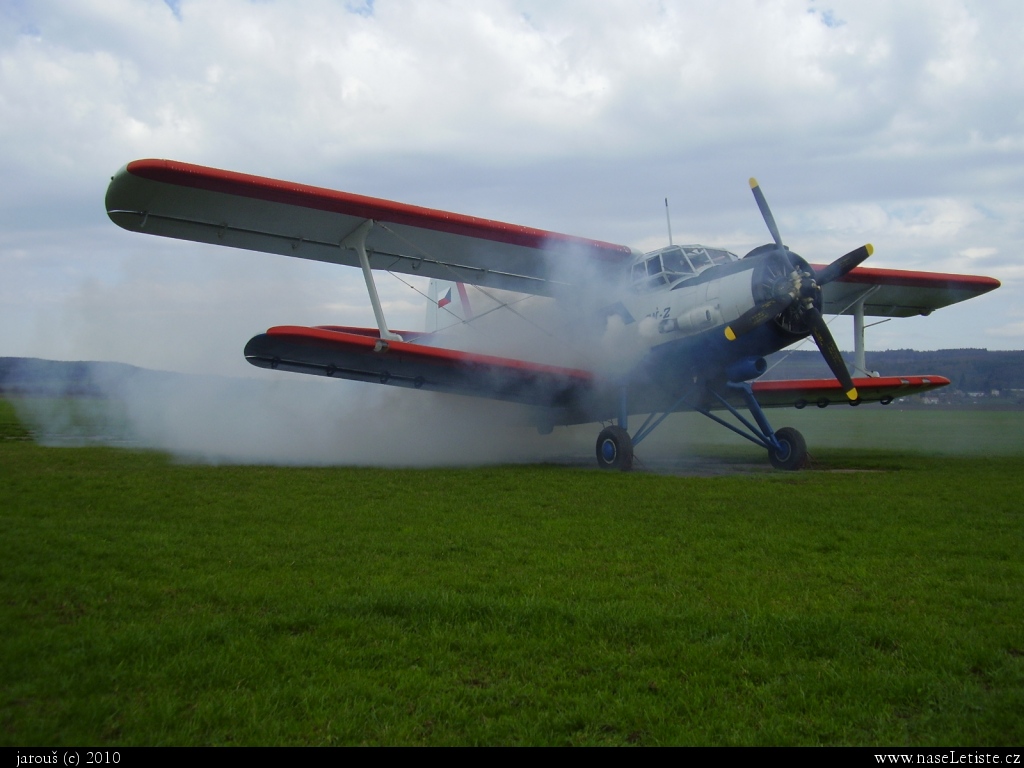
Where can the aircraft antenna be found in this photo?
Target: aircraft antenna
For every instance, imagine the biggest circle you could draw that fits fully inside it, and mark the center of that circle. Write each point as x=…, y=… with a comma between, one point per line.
x=668, y=220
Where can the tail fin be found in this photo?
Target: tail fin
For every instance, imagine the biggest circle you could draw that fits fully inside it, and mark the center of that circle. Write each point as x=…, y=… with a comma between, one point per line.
x=447, y=305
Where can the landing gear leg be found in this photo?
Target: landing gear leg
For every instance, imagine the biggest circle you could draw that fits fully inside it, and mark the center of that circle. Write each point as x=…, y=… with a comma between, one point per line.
x=614, y=449
x=786, y=447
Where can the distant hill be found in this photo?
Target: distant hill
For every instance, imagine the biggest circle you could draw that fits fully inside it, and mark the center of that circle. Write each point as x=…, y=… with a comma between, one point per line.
x=978, y=376
x=57, y=378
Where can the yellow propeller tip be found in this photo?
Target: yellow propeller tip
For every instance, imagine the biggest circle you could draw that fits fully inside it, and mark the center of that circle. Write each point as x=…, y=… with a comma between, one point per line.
x=730, y=334
x=869, y=248
x=753, y=182
x=852, y=394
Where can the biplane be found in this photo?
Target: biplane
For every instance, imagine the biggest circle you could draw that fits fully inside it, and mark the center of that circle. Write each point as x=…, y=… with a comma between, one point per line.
x=700, y=320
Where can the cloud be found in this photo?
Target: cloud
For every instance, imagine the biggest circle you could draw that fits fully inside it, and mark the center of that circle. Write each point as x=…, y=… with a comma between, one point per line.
x=319, y=82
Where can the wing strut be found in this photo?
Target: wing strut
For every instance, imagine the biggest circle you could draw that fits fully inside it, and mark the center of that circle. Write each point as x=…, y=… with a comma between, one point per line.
x=858, y=331
x=356, y=240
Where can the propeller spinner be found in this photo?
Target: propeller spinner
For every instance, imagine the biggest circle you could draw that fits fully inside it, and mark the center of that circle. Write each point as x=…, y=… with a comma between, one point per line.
x=801, y=291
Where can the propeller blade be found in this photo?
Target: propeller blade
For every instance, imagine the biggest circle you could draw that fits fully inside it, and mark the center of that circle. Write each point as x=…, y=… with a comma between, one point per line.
x=829, y=350
x=766, y=213
x=755, y=316
x=844, y=264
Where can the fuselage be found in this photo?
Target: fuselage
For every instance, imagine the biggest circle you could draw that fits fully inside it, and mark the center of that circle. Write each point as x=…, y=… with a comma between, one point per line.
x=680, y=293
x=674, y=306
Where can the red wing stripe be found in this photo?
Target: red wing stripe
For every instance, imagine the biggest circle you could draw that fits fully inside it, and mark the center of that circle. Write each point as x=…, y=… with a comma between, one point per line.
x=439, y=354
x=319, y=198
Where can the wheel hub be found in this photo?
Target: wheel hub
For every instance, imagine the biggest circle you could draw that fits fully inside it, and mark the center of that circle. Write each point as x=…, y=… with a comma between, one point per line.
x=608, y=450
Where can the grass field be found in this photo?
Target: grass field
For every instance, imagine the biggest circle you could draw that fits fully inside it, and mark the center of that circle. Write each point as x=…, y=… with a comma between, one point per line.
x=874, y=600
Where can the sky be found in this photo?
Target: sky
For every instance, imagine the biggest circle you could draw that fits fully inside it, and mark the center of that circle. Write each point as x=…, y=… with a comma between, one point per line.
x=899, y=124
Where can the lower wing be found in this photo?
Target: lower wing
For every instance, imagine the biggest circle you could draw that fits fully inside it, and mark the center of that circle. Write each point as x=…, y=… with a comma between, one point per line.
x=575, y=396
x=822, y=392
x=360, y=354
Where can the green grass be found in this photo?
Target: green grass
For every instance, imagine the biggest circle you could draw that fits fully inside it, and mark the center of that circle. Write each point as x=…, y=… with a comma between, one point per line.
x=151, y=602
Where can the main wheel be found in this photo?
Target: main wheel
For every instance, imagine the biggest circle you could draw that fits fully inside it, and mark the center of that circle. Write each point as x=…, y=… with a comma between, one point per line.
x=793, y=450
x=614, y=449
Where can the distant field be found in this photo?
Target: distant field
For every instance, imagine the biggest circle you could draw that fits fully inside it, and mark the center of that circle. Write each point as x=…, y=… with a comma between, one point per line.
x=916, y=430
x=874, y=600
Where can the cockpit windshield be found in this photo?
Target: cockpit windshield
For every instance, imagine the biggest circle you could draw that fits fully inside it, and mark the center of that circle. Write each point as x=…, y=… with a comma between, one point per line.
x=675, y=263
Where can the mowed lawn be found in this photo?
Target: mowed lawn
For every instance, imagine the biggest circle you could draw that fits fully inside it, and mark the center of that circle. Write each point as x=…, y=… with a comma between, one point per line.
x=877, y=599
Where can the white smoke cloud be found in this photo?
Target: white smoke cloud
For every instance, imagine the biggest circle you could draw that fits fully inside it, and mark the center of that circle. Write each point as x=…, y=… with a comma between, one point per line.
x=293, y=420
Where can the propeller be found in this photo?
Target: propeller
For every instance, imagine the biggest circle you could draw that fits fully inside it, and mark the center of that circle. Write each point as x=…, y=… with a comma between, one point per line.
x=799, y=290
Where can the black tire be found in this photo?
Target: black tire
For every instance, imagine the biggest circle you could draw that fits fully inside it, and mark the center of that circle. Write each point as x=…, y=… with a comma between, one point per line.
x=794, y=450
x=614, y=449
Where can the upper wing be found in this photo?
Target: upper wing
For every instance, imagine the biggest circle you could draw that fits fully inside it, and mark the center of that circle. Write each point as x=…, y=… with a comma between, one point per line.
x=191, y=202
x=900, y=293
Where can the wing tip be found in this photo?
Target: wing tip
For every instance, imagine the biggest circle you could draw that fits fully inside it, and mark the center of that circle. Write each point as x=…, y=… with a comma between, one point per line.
x=753, y=183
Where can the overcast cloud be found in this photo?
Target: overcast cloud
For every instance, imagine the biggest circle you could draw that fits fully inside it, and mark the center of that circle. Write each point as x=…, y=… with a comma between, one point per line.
x=900, y=124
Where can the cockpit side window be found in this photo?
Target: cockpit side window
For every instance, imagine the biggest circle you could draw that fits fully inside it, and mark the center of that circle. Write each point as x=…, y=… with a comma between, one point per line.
x=676, y=264
x=648, y=274
x=699, y=258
